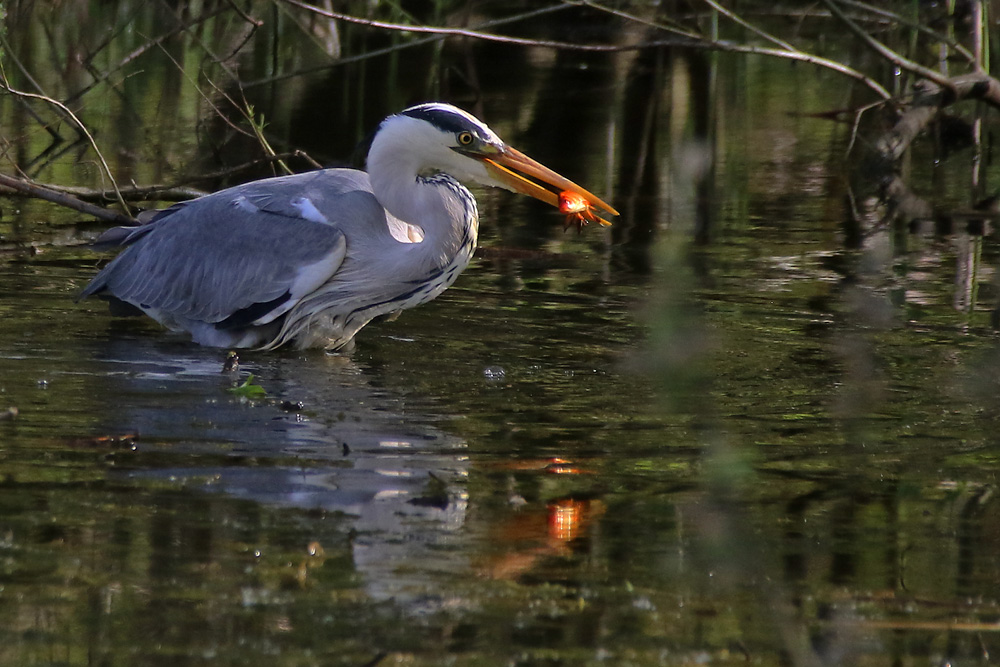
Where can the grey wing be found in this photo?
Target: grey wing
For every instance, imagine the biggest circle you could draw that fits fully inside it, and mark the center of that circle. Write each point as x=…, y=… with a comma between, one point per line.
x=242, y=256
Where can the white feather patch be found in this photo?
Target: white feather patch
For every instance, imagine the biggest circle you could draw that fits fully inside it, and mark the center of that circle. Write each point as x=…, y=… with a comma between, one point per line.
x=404, y=232
x=308, y=279
x=308, y=210
x=244, y=204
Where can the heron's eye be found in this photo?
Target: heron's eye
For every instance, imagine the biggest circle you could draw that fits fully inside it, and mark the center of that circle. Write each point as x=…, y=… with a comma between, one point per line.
x=465, y=138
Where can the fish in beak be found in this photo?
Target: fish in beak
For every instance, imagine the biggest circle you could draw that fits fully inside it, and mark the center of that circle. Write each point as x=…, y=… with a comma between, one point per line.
x=507, y=166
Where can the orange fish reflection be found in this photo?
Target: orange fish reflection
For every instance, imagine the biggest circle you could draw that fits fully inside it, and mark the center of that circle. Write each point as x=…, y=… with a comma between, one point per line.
x=568, y=519
x=529, y=536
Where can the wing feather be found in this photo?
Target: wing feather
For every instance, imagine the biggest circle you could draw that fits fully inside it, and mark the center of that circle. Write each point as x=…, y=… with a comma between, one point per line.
x=237, y=251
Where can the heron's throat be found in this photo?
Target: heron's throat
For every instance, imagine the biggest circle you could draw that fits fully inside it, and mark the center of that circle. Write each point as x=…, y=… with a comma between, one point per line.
x=434, y=202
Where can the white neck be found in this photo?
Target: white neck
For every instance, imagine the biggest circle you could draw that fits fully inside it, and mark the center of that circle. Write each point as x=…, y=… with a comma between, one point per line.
x=399, y=155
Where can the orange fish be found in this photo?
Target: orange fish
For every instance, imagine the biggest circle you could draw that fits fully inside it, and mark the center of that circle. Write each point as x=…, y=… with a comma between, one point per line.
x=578, y=211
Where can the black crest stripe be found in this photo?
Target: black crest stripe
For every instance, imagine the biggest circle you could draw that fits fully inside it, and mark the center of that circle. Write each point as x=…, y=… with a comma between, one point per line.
x=442, y=118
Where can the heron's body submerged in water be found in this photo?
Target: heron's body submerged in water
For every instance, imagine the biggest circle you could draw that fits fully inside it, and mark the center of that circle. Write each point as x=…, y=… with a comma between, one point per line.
x=308, y=260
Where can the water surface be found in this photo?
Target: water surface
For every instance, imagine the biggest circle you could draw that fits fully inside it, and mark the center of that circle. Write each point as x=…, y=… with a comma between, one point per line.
x=732, y=428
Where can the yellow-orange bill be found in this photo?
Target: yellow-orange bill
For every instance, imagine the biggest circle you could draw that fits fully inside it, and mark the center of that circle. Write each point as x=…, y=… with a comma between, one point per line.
x=502, y=166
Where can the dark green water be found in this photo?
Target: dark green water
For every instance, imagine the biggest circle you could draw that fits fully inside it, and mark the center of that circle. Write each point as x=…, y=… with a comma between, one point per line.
x=725, y=431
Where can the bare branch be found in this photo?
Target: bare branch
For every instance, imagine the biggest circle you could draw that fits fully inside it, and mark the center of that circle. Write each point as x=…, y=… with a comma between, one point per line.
x=244, y=109
x=39, y=192
x=454, y=32
x=158, y=41
x=9, y=53
x=885, y=51
x=133, y=193
x=686, y=39
x=257, y=124
x=914, y=25
x=399, y=47
x=177, y=191
x=801, y=56
x=206, y=98
x=749, y=26
x=927, y=102
x=924, y=108
x=5, y=85
x=257, y=23
x=693, y=40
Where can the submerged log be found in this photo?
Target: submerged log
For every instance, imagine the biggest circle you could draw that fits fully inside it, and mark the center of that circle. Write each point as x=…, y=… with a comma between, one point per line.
x=926, y=106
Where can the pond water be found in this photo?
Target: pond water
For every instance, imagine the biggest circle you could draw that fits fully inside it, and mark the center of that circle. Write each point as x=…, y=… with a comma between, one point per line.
x=732, y=428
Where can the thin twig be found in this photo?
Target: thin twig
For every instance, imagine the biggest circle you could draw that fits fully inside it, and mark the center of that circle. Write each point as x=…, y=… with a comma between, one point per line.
x=649, y=23
x=451, y=32
x=5, y=85
x=258, y=130
x=39, y=192
x=692, y=40
x=687, y=39
x=257, y=23
x=886, y=52
x=857, y=123
x=399, y=47
x=913, y=25
x=221, y=62
x=736, y=18
x=9, y=53
x=176, y=191
x=244, y=109
x=205, y=97
x=308, y=32
x=141, y=50
x=267, y=159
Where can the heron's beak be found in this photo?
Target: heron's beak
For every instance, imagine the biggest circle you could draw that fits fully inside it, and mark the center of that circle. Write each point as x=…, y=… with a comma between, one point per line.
x=504, y=165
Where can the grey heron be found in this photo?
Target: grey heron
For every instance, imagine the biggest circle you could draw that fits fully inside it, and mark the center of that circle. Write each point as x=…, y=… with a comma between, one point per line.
x=307, y=260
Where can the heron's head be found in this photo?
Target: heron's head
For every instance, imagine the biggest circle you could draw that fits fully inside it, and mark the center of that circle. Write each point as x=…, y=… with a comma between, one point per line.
x=446, y=139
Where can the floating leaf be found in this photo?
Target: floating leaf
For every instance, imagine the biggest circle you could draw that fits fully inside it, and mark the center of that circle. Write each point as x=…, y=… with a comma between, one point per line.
x=248, y=389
